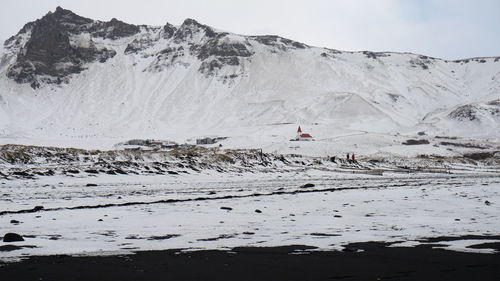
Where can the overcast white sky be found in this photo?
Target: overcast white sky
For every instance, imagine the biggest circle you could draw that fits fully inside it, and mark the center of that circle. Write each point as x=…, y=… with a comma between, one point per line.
x=448, y=29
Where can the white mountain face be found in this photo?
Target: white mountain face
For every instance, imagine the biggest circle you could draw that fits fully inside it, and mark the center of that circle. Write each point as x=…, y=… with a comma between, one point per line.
x=71, y=81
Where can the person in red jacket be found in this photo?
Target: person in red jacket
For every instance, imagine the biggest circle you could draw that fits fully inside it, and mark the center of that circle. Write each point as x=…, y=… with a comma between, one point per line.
x=353, y=157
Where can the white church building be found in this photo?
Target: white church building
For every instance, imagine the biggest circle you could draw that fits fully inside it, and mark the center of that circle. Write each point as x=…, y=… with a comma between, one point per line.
x=302, y=136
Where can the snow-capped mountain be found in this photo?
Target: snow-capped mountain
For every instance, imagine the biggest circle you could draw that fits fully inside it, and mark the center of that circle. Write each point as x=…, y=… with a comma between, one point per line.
x=79, y=81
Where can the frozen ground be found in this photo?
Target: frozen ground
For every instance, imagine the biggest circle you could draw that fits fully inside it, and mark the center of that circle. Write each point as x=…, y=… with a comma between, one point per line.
x=126, y=213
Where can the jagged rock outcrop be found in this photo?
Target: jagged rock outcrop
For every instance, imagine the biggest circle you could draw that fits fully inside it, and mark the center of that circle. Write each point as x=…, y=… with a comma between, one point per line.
x=279, y=42
x=190, y=28
x=168, y=31
x=60, y=44
x=114, y=29
x=476, y=112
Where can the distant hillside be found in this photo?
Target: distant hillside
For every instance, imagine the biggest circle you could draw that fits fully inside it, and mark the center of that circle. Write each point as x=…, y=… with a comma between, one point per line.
x=78, y=81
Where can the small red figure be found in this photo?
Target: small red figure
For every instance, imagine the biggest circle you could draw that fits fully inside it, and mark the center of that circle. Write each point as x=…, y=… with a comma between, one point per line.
x=353, y=157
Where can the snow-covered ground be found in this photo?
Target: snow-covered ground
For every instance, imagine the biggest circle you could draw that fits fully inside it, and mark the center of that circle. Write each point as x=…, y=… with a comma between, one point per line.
x=425, y=130
x=256, y=100
x=209, y=211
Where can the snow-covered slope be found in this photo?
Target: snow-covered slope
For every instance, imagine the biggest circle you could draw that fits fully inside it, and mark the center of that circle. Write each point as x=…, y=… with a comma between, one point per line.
x=72, y=81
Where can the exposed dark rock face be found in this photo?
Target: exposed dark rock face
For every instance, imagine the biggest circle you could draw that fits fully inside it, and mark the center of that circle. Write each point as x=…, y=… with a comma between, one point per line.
x=168, y=31
x=279, y=42
x=190, y=27
x=214, y=49
x=476, y=112
x=219, y=52
x=375, y=55
x=223, y=49
x=69, y=20
x=422, y=61
x=50, y=55
x=138, y=45
x=464, y=113
x=211, y=66
x=115, y=29
x=51, y=49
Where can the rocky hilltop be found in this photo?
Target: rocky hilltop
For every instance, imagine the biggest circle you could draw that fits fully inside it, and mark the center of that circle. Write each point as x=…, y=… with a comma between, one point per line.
x=52, y=51
x=61, y=43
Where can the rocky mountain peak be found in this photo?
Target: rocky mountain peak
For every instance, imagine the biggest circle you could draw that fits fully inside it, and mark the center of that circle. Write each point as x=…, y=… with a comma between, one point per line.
x=168, y=31
x=190, y=27
x=71, y=21
x=114, y=29
x=51, y=54
x=193, y=22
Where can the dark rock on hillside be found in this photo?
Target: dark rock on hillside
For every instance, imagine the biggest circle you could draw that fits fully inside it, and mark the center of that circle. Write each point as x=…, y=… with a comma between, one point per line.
x=66, y=19
x=211, y=66
x=475, y=112
x=464, y=113
x=139, y=44
x=168, y=31
x=422, y=61
x=12, y=237
x=58, y=46
x=191, y=27
x=375, y=55
x=279, y=42
x=220, y=48
x=115, y=29
x=50, y=55
x=69, y=20
x=147, y=40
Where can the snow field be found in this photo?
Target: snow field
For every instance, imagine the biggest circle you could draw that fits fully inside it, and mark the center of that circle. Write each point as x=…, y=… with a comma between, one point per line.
x=403, y=209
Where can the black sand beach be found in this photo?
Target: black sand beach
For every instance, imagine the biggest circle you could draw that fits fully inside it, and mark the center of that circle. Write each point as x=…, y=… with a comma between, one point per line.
x=374, y=262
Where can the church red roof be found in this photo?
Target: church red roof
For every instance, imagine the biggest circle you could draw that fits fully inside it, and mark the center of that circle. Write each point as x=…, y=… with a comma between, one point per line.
x=305, y=136
x=299, y=130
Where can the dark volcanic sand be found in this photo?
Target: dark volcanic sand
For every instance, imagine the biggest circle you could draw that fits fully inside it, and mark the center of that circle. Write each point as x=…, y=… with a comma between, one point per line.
x=376, y=262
